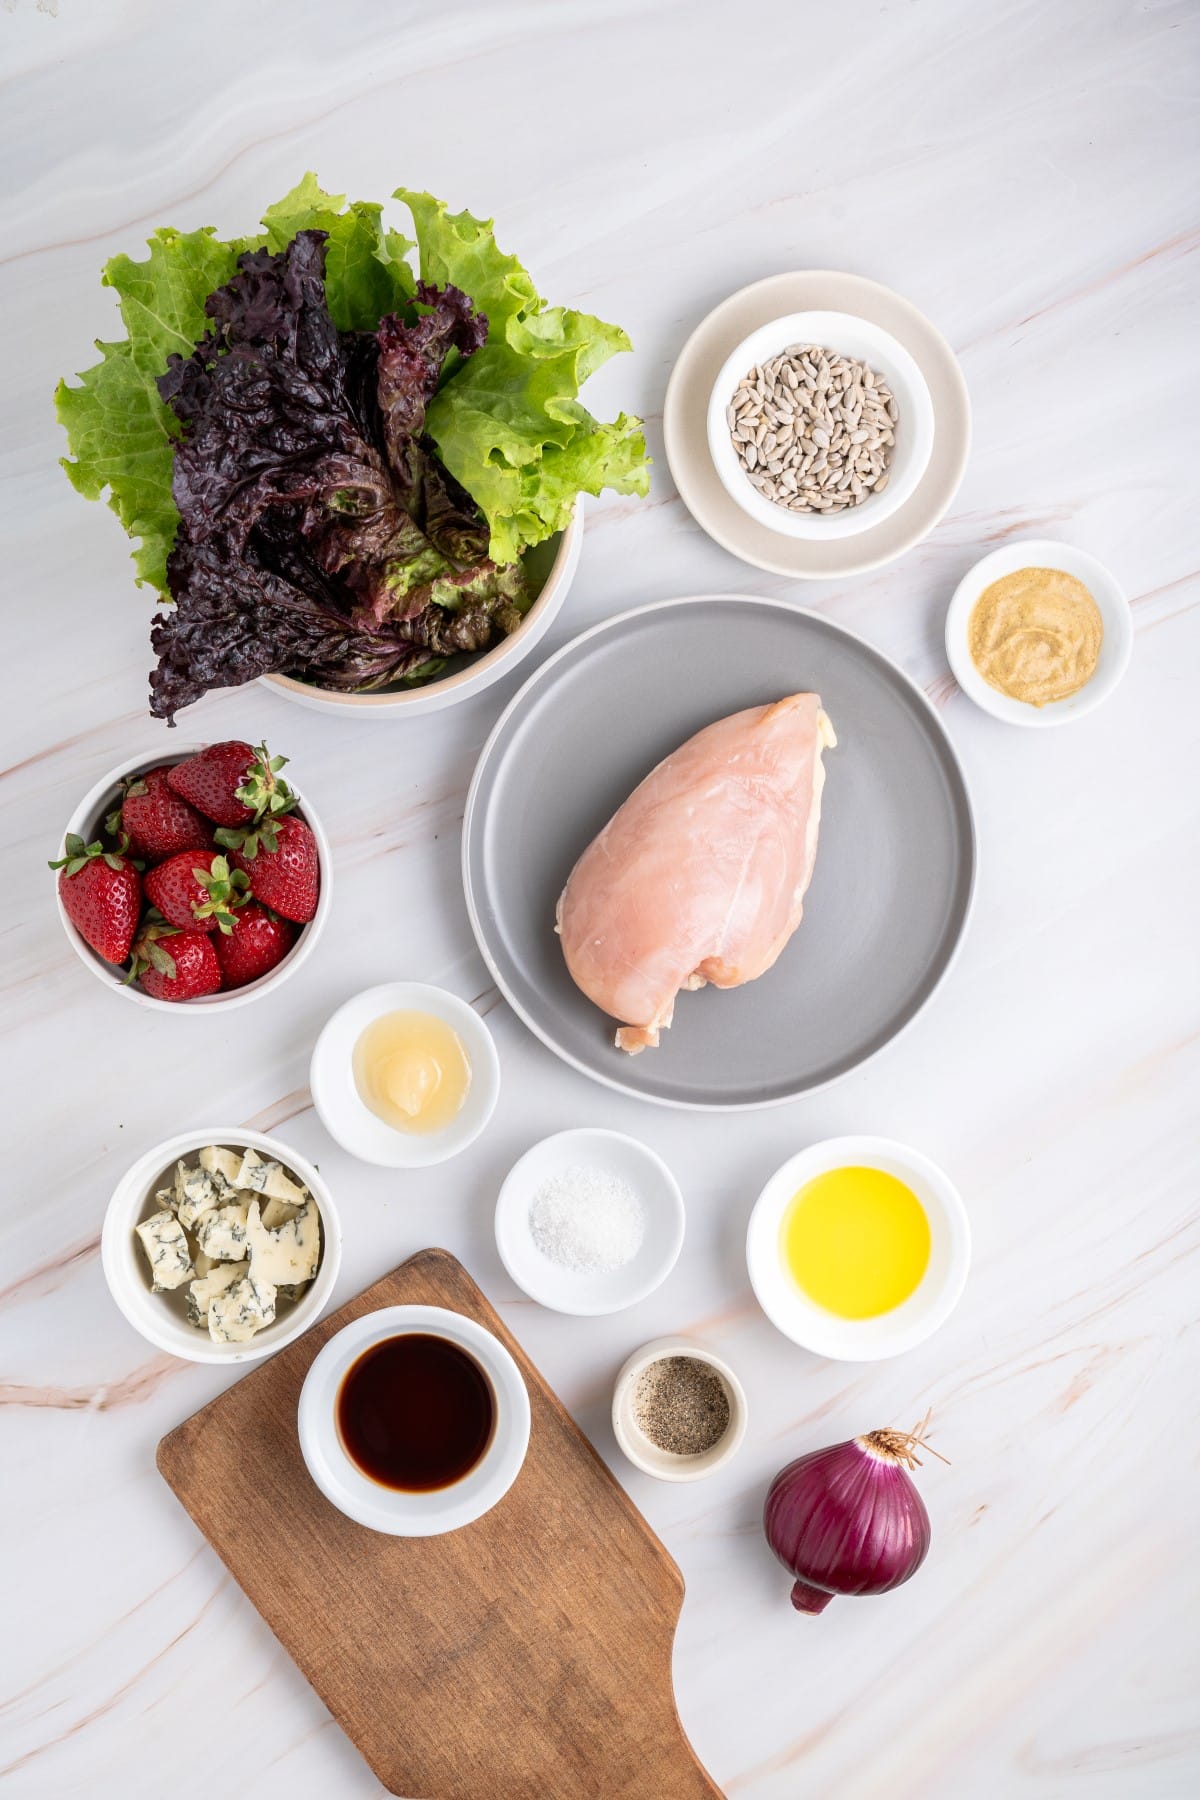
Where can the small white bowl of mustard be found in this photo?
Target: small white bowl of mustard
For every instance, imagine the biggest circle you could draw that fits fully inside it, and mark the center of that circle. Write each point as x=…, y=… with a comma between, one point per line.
x=1038, y=633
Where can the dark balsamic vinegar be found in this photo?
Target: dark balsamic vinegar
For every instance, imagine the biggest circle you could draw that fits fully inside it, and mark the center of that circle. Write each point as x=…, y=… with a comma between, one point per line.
x=415, y=1412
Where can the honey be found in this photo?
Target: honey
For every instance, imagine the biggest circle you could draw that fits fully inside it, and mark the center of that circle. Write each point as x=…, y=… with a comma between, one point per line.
x=411, y=1069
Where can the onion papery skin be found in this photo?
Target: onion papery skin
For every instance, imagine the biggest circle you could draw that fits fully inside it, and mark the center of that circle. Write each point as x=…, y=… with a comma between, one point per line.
x=847, y=1520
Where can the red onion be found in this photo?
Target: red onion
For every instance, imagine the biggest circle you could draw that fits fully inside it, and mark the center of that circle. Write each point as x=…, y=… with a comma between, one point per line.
x=847, y=1520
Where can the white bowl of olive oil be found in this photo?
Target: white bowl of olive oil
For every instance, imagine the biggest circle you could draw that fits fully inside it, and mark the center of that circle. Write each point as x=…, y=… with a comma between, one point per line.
x=858, y=1248
x=405, y=1075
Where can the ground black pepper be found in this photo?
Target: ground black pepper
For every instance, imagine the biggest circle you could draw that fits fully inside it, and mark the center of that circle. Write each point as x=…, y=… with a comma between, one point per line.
x=681, y=1405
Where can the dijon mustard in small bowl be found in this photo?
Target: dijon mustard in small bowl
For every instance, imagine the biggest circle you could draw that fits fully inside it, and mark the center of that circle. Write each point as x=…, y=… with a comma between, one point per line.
x=1040, y=556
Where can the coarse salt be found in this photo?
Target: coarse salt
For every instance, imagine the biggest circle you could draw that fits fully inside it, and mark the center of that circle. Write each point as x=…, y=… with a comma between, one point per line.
x=587, y=1220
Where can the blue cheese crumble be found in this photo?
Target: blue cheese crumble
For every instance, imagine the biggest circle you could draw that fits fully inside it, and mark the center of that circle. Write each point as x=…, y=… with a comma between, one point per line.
x=239, y=1233
x=221, y=1232
x=166, y=1250
x=242, y=1310
x=287, y=1256
x=212, y=1283
x=269, y=1180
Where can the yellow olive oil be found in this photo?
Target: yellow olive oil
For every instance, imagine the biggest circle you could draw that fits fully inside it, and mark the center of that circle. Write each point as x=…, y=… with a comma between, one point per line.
x=856, y=1242
x=411, y=1069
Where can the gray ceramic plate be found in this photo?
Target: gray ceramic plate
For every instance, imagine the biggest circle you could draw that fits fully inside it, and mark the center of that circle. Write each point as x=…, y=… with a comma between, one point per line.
x=890, y=893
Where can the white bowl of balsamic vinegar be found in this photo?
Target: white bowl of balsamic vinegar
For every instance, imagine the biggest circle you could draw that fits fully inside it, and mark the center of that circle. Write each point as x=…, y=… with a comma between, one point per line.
x=414, y=1420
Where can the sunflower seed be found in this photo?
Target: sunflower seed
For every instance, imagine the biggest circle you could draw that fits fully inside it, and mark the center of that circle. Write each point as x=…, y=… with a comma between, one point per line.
x=813, y=429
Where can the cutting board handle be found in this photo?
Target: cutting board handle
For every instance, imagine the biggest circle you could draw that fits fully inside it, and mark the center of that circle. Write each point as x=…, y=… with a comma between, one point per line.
x=680, y=1774
x=670, y=1768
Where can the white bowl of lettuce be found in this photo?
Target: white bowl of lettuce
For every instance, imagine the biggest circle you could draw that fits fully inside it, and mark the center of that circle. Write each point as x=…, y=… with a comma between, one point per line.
x=355, y=462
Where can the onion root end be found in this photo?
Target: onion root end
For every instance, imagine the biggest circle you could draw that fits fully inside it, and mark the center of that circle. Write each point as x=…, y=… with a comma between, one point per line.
x=809, y=1599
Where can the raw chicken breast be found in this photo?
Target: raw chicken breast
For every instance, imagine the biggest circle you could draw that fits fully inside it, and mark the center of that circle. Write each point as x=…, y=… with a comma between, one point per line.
x=701, y=875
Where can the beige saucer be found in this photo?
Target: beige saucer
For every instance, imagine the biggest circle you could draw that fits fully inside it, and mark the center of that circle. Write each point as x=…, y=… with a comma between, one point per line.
x=686, y=407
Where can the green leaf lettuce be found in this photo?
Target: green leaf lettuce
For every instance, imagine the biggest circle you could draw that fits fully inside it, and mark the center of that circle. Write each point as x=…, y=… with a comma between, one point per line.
x=509, y=424
x=121, y=435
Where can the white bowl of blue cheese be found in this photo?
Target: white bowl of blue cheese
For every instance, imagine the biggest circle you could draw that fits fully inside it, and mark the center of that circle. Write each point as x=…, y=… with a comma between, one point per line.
x=221, y=1246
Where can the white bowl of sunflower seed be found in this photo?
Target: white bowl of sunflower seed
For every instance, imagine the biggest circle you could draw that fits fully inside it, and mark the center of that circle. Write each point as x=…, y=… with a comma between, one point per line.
x=820, y=425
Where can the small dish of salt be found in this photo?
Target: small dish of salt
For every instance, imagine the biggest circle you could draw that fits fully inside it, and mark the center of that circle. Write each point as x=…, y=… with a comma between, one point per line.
x=589, y=1221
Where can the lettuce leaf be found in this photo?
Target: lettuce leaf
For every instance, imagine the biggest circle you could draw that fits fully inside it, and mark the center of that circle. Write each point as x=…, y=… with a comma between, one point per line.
x=121, y=435
x=507, y=423
x=123, y=445
x=508, y=426
x=461, y=251
x=367, y=274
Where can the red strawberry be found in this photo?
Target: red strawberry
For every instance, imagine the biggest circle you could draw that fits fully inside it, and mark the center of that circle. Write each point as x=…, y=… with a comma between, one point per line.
x=233, y=783
x=101, y=892
x=280, y=858
x=258, y=941
x=155, y=820
x=175, y=965
x=195, y=891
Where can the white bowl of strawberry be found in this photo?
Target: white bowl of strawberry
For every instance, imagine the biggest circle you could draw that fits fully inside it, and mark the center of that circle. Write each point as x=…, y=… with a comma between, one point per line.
x=194, y=877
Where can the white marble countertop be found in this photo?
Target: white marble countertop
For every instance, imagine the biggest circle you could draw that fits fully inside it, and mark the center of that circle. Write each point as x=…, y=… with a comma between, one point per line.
x=1022, y=173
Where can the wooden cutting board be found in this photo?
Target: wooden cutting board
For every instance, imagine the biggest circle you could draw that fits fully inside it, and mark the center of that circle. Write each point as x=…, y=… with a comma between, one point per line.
x=525, y=1657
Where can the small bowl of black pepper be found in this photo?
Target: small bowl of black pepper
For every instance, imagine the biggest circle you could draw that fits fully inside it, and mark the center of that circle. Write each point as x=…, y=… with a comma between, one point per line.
x=679, y=1411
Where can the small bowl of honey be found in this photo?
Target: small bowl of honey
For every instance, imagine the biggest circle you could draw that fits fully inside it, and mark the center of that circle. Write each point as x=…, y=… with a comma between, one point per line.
x=405, y=1075
x=414, y=1420
x=858, y=1248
